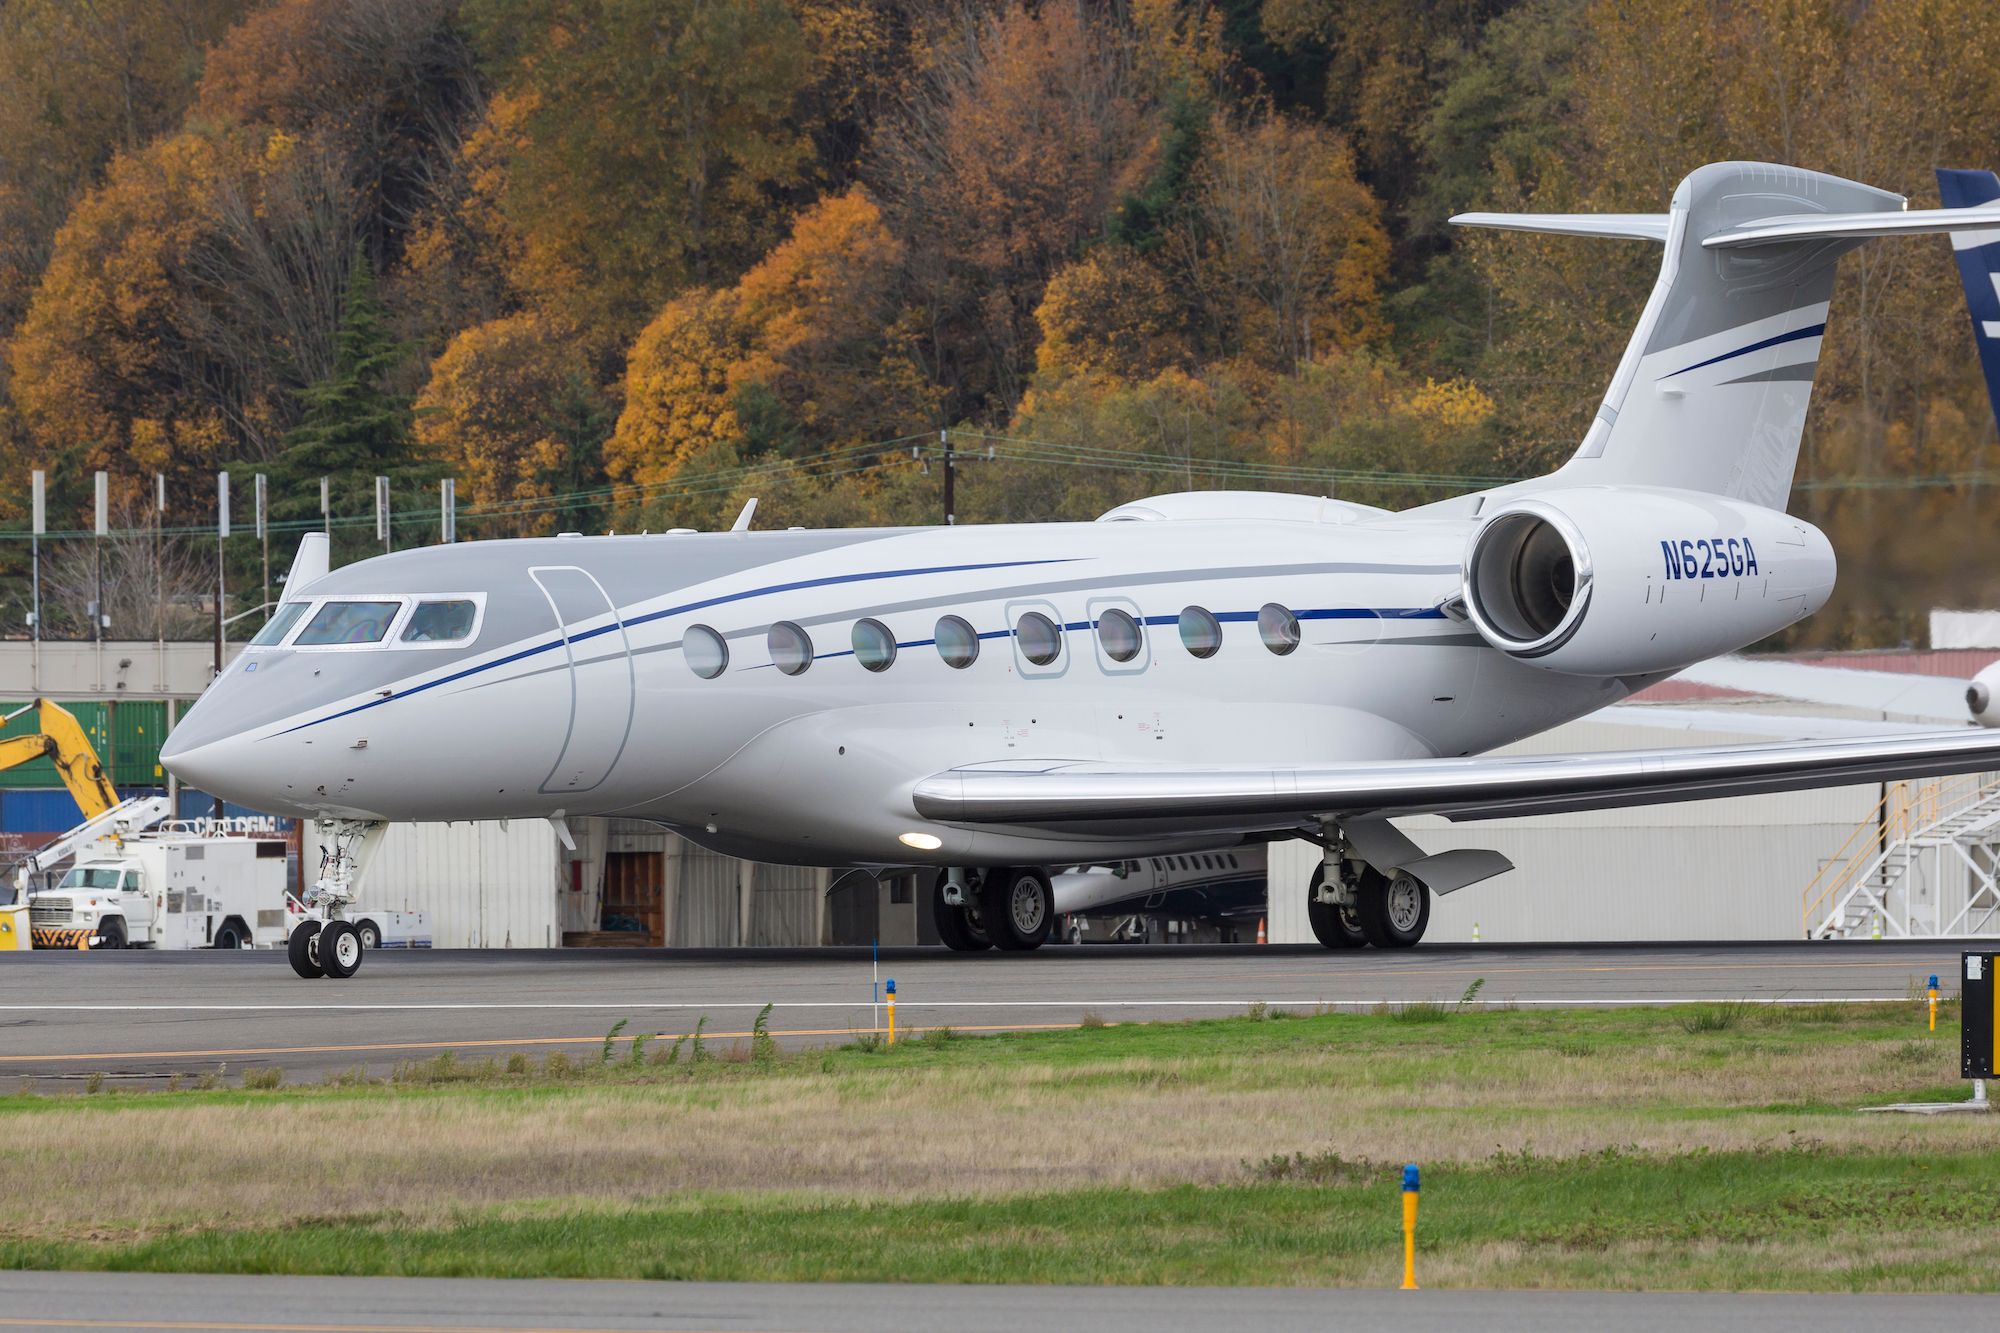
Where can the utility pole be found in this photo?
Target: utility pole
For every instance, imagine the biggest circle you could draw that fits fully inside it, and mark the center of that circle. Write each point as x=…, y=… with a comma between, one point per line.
x=160, y=581
x=950, y=478
x=41, y=526
x=97, y=616
x=326, y=508
x=448, y=510
x=382, y=514
x=221, y=537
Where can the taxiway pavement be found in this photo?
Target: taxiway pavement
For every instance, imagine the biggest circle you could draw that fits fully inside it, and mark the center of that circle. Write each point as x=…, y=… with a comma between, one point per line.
x=140, y=1017
x=55, y=1301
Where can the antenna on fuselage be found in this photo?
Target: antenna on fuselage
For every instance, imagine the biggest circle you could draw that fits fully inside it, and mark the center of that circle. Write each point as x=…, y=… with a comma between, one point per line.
x=742, y=523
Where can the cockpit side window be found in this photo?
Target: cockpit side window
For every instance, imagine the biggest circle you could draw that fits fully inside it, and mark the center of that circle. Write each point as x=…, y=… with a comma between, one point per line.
x=348, y=622
x=279, y=625
x=440, y=622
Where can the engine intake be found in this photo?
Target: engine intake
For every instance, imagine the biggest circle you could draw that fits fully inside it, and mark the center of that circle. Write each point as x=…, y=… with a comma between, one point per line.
x=1528, y=580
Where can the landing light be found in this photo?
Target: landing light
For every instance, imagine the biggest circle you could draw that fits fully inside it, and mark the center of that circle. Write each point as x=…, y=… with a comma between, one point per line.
x=923, y=842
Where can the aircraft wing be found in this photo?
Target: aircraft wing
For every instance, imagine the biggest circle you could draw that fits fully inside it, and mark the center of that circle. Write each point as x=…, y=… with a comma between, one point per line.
x=1085, y=797
x=1940, y=698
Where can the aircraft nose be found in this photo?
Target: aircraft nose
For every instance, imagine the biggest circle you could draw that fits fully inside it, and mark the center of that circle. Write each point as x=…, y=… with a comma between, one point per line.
x=196, y=762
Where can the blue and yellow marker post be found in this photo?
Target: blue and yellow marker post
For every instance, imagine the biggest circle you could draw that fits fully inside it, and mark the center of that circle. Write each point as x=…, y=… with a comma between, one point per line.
x=1934, y=1002
x=890, y=990
x=1410, y=1227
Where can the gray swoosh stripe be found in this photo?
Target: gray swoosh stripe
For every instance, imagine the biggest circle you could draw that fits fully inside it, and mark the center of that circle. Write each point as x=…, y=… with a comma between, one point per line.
x=1802, y=371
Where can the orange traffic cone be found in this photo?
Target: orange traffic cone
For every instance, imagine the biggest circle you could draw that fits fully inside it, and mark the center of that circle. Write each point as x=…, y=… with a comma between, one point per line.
x=1260, y=930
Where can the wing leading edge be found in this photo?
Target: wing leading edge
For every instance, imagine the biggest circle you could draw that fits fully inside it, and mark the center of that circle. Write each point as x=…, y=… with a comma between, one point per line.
x=1109, y=798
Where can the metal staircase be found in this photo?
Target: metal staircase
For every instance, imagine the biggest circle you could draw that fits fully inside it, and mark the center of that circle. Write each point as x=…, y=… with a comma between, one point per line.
x=1925, y=864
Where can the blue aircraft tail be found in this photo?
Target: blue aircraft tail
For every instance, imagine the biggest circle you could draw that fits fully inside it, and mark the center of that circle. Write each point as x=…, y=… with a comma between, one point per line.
x=1978, y=255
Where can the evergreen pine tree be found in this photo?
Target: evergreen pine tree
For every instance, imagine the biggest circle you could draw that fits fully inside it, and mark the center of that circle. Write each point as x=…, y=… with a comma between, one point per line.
x=355, y=427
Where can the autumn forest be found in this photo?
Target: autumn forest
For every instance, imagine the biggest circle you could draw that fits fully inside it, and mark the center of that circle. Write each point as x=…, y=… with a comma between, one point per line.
x=622, y=264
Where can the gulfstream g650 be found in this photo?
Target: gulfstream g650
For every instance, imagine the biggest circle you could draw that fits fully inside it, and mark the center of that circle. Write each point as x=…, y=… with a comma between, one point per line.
x=1187, y=672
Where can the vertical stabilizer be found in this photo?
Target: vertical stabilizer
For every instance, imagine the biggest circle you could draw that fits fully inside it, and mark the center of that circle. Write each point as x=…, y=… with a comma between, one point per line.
x=1978, y=256
x=1712, y=390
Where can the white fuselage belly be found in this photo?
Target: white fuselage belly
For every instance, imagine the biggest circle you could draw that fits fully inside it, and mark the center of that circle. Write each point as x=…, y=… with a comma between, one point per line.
x=817, y=767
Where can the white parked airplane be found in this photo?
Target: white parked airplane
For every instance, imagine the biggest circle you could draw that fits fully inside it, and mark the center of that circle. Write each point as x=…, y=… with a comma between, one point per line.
x=1192, y=671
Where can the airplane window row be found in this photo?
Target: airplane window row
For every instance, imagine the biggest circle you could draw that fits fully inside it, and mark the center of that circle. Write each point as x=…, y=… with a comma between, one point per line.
x=1119, y=633
x=358, y=622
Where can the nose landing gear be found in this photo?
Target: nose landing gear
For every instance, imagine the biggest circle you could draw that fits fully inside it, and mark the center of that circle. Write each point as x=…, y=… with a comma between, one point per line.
x=325, y=945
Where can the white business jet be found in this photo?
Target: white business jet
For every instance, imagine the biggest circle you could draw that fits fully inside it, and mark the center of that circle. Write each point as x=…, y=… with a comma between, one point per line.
x=1192, y=671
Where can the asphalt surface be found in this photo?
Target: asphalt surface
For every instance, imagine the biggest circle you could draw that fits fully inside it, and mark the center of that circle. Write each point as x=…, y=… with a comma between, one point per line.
x=141, y=1017
x=457, y=1305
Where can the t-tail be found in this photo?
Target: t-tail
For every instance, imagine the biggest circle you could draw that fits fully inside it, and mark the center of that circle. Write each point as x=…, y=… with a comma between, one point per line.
x=1978, y=255
x=1711, y=393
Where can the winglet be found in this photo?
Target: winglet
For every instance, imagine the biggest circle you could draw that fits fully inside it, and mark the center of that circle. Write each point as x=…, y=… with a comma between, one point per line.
x=312, y=563
x=742, y=523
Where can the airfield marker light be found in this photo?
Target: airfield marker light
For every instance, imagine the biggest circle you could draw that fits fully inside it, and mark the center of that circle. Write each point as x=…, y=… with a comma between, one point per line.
x=891, y=990
x=1934, y=1002
x=1410, y=1227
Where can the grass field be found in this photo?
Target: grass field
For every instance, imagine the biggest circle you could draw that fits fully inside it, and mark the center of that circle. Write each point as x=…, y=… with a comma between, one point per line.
x=1713, y=1146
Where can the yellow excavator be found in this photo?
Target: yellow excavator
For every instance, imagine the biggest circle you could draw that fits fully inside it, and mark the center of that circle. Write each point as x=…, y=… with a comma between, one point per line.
x=62, y=741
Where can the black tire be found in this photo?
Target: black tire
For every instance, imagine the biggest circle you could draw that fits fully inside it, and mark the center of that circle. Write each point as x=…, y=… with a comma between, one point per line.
x=1017, y=907
x=371, y=935
x=303, y=951
x=1393, y=913
x=111, y=933
x=955, y=928
x=229, y=935
x=339, y=950
x=1334, y=927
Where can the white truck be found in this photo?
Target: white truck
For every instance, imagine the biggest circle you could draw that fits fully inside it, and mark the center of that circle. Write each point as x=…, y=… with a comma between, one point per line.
x=184, y=886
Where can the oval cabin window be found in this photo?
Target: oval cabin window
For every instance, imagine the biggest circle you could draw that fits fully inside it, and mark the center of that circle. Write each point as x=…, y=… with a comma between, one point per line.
x=1201, y=632
x=791, y=648
x=1041, y=640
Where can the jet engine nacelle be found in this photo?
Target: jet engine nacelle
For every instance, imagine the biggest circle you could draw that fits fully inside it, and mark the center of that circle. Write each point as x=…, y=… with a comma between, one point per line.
x=1629, y=581
x=1982, y=697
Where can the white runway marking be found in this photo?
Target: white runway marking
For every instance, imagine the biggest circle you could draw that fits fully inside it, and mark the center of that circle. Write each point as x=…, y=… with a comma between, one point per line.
x=1090, y=1001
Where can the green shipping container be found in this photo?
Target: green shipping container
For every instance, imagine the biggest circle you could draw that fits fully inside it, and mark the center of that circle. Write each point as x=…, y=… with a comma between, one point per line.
x=127, y=735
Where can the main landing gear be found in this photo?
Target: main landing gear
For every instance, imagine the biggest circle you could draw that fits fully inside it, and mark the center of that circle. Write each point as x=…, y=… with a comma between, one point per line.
x=1366, y=906
x=324, y=945
x=1010, y=908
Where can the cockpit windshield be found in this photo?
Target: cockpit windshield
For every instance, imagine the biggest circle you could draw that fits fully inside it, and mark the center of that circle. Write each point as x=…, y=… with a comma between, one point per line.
x=440, y=622
x=279, y=625
x=348, y=622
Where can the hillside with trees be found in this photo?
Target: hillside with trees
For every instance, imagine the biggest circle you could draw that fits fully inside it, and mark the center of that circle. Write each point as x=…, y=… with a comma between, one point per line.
x=620, y=264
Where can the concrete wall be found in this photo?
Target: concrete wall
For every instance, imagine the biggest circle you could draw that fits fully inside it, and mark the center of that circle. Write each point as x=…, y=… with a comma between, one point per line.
x=116, y=669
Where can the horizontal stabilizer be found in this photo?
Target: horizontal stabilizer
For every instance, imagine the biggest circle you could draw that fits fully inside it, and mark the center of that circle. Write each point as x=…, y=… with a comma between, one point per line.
x=1109, y=799
x=1853, y=226
x=1621, y=226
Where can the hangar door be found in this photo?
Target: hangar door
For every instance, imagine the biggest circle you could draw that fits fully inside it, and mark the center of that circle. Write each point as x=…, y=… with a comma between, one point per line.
x=600, y=678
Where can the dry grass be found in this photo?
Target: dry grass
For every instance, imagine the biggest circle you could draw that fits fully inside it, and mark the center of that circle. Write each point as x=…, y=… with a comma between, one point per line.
x=1112, y=1107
